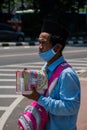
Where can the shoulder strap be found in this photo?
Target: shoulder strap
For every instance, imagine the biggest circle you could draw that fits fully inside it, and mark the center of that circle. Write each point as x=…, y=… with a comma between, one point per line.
x=57, y=73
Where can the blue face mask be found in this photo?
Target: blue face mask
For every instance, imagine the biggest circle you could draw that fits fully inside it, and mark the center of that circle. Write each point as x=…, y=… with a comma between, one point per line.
x=48, y=55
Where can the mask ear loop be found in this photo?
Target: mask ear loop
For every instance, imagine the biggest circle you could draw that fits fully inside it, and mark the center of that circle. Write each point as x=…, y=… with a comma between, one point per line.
x=57, y=40
x=54, y=50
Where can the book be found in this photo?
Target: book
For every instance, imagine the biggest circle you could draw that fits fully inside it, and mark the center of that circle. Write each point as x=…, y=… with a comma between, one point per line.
x=26, y=79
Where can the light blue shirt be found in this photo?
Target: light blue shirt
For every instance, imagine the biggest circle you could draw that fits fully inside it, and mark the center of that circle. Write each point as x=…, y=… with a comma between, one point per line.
x=64, y=102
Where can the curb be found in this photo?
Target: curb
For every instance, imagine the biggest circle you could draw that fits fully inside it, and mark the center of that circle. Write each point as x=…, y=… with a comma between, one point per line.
x=77, y=40
x=34, y=43
x=70, y=42
x=2, y=44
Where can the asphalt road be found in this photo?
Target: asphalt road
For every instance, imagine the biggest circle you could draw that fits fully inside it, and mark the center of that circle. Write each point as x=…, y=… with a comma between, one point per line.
x=11, y=55
x=14, y=58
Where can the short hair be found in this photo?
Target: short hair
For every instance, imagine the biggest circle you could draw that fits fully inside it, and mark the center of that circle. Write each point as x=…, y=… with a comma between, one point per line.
x=58, y=32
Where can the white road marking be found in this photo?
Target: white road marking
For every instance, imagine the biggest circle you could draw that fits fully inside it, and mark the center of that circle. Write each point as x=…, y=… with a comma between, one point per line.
x=7, y=87
x=14, y=65
x=80, y=70
x=5, y=80
x=6, y=48
x=83, y=79
x=80, y=64
x=3, y=108
x=31, y=66
x=14, y=55
x=78, y=67
x=74, y=51
x=79, y=60
x=1, y=74
x=26, y=46
x=8, y=112
x=8, y=70
x=10, y=96
x=27, y=54
x=16, y=47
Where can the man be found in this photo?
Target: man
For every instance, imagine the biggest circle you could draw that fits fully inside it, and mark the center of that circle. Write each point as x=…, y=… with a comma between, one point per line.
x=63, y=102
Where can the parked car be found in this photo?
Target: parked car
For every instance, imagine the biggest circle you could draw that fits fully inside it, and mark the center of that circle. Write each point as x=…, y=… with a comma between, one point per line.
x=7, y=33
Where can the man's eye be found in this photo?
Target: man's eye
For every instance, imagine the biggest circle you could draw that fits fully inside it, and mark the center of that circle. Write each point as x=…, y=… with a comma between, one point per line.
x=42, y=42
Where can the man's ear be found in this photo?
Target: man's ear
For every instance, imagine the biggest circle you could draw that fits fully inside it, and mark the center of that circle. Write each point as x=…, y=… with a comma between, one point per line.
x=58, y=47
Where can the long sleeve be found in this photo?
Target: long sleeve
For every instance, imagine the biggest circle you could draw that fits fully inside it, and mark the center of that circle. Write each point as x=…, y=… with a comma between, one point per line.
x=65, y=99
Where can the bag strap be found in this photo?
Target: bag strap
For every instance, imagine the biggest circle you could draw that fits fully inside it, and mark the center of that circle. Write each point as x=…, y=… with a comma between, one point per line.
x=57, y=73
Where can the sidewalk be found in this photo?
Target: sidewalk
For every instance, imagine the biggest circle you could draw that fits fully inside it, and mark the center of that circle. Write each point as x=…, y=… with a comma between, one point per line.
x=11, y=123
x=82, y=118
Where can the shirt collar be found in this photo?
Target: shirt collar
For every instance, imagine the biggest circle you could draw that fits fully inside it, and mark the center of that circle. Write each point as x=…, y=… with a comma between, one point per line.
x=56, y=63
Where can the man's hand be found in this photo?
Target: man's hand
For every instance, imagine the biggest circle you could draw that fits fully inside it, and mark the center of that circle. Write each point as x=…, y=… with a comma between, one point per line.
x=34, y=95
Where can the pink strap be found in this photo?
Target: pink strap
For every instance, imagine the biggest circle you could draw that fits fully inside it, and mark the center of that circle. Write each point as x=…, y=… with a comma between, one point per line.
x=57, y=73
x=39, y=107
x=43, y=114
x=32, y=118
x=21, y=125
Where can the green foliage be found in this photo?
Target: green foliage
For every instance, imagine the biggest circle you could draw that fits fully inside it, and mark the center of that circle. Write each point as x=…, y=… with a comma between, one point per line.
x=31, y=24
x=48, y=6
x=66, y=12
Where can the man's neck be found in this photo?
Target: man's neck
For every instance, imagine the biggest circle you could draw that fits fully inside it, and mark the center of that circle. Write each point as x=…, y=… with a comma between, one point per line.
x=53, y=59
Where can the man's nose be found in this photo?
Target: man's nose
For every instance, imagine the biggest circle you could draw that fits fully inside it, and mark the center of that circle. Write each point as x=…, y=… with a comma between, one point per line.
x=40, y=45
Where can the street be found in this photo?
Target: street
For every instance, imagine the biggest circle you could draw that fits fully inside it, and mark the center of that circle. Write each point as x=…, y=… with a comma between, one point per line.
x=15, y=58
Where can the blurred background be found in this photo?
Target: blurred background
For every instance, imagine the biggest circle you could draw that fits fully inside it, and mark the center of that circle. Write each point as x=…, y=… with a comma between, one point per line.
x=27, y=15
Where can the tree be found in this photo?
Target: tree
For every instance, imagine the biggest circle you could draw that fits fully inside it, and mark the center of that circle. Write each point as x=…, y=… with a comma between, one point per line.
x=81, y=3
x=1, y=2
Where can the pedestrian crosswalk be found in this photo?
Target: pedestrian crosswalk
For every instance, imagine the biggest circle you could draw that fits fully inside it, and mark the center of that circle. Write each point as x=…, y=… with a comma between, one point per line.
x=7, y=72
x=80, y=64
x=8, y=84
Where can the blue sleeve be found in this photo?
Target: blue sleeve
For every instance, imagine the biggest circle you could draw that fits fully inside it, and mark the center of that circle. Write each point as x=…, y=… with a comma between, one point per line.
x=69, y=95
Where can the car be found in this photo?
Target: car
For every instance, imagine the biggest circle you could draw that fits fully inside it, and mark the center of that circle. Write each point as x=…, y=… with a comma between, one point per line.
x=7, y=33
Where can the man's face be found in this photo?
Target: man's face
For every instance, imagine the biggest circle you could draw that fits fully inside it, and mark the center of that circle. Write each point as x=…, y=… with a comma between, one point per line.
x=44, y=42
